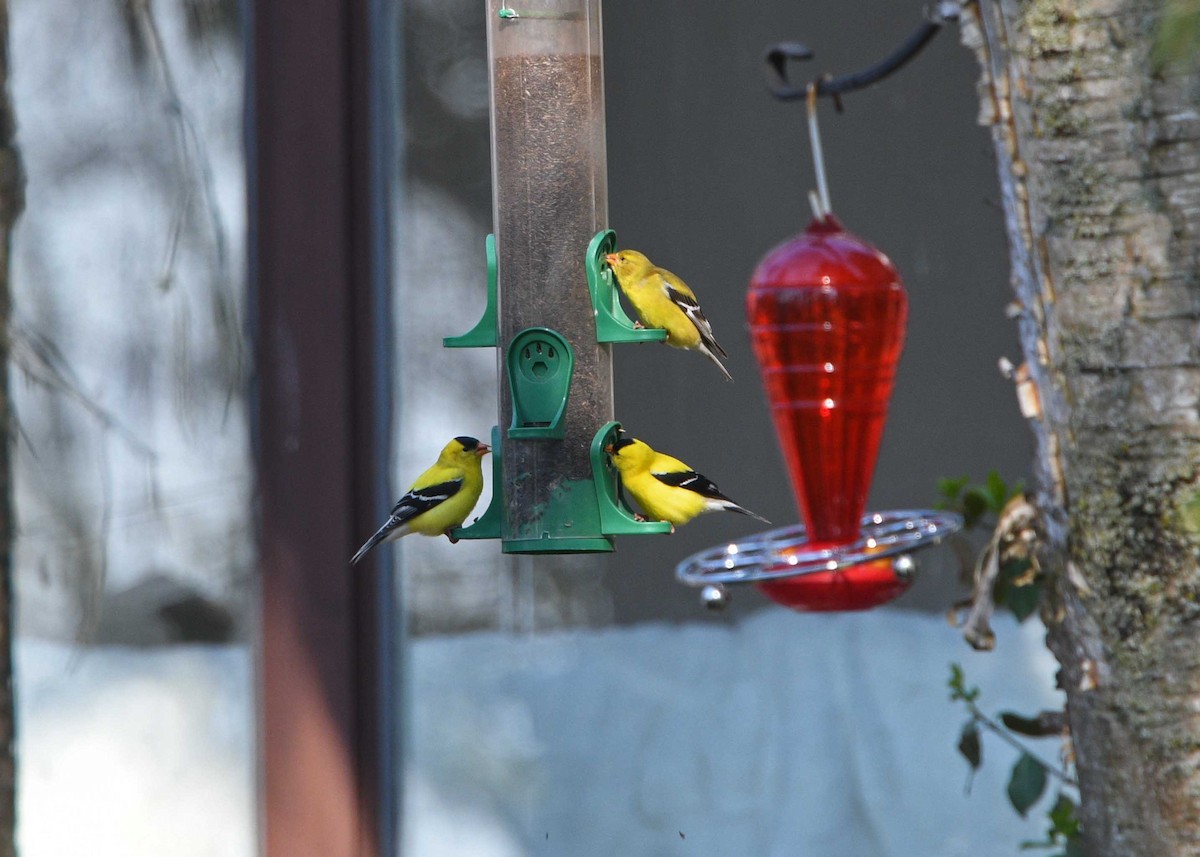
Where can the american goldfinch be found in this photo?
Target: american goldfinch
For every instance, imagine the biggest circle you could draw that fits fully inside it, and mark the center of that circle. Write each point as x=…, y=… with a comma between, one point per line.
x=663, y=301
x=440, y=499
x=665, y=487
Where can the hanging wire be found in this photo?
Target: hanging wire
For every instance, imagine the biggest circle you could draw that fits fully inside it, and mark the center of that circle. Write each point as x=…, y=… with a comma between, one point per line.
x=821, y=205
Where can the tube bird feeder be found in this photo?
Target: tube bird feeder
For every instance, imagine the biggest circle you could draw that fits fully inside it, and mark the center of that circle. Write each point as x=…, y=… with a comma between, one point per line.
x=547, y=286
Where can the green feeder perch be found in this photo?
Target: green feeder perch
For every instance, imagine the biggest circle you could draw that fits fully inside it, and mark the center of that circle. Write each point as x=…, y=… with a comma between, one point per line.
x=483, y=334
x=612, y=324
x=487, y=525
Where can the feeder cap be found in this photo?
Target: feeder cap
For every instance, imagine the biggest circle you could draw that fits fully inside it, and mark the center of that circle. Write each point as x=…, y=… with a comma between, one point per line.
x=825, y=255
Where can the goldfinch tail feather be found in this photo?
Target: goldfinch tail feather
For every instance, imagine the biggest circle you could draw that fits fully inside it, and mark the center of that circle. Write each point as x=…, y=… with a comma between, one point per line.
x=390, y=530
x=704, y=349
x=730, y=506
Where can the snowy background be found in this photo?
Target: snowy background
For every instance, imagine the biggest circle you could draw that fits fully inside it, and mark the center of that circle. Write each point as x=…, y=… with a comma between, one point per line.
x=781, y=735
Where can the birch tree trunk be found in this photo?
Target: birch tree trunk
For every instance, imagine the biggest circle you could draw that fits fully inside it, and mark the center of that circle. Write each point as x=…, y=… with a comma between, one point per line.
x=11, y=203
x=1099, y=162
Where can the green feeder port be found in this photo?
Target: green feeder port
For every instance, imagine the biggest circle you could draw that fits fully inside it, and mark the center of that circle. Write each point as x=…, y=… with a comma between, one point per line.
x=487, y=525
x=584, y=516
x=612, y=324
x=540, y=364
x=616, y=518
x=483, y=334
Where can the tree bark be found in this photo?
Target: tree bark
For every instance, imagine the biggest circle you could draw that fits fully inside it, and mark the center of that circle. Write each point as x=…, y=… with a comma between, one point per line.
x=11, y=204
x=1099, y=162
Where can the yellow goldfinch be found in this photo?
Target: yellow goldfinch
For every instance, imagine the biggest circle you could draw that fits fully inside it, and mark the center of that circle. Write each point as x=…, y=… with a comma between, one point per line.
x=663, y=301
x=665, y=487
x=440, y=499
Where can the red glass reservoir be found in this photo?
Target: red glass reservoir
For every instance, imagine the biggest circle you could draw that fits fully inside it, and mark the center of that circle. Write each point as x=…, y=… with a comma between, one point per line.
x=856, y=587
x=827, y=314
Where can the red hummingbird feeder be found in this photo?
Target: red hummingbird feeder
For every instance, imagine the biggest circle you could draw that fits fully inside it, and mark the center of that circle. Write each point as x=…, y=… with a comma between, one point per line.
x=827, y=314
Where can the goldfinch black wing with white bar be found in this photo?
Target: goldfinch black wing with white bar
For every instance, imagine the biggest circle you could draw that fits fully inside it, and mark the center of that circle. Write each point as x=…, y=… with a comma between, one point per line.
x=691, y=308
x=423, y=499
x=416, y=502
x=690, y=480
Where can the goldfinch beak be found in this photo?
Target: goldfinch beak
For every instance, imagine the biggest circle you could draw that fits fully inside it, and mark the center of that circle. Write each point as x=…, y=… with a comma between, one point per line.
x=611, y=258
x=482, y=450
x=609, y=449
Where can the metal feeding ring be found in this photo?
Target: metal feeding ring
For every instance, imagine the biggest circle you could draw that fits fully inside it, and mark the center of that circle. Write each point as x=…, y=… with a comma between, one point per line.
x=785, y=552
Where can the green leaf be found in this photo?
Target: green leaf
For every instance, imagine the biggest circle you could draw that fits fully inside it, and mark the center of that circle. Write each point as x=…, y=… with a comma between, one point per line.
x=1017, y=572
x=1023, y=601
x=1017, y=589
x=950, y=489
x=1189, y=513
x=1074, y=848
x=974, y=507
x=958, y=686
x=1022, y=725
x=1178, y=35
x=997, y=491
x=957, y=681
x=970, y=746
x=1026, y=784
x=1063, y=820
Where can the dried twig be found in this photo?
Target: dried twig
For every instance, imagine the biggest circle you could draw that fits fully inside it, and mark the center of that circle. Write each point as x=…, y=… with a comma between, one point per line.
x=1014, y=538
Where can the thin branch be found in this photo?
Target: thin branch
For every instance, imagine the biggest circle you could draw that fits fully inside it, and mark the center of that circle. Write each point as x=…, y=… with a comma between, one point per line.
x=195, y=161
x=44, y=364
x=997, y=729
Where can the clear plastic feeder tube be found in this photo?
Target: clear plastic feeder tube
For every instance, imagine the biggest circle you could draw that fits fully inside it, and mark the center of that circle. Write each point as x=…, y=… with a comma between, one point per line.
x=549, y=192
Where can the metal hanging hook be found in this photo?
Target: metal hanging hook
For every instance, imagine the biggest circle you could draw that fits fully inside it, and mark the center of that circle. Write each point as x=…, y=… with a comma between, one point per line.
x=782, y=88
x=779, y=54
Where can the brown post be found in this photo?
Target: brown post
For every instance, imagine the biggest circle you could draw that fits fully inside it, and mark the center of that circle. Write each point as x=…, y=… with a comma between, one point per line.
x=319, y=264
